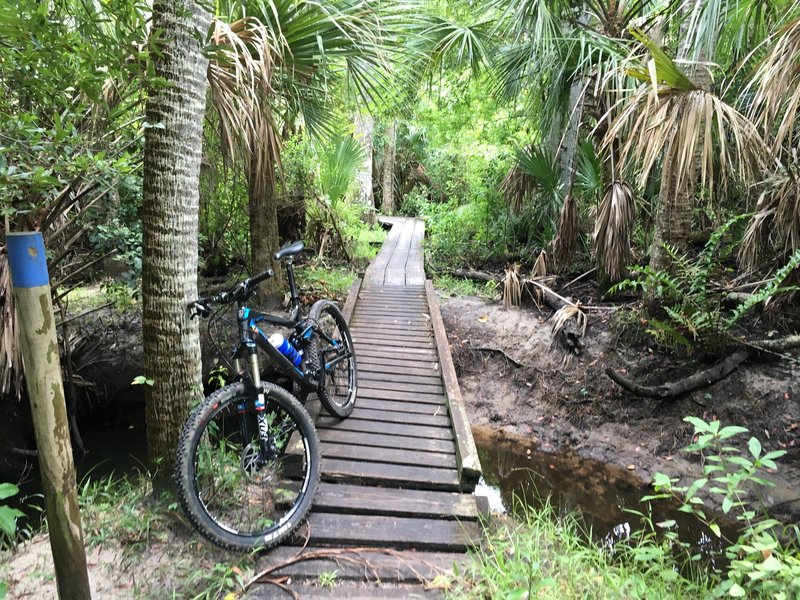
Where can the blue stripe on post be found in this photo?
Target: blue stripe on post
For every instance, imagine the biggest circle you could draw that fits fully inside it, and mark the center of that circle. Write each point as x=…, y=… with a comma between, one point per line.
x=27, y=259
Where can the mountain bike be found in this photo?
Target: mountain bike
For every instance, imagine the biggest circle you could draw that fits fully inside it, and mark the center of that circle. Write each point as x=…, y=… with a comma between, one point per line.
x=248, y=460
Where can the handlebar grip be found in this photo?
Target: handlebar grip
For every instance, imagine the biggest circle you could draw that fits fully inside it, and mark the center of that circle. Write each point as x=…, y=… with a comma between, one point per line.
x=259, y=278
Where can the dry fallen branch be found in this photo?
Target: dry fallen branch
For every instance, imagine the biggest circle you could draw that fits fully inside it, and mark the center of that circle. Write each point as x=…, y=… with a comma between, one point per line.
x=708, y=376
x=513, y=361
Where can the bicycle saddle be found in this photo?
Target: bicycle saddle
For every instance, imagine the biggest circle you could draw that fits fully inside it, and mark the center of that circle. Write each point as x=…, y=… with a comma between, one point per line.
x=289, y=250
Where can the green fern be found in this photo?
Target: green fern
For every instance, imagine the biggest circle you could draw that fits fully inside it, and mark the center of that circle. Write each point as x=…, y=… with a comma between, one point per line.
x=667, y=336
x=694, y=312
x=769, y=291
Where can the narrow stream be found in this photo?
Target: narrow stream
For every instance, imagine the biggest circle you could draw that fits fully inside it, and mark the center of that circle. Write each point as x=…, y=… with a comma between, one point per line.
x=515, y=472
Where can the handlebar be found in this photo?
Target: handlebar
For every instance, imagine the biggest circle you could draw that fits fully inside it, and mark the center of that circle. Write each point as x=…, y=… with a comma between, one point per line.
x=238, y=293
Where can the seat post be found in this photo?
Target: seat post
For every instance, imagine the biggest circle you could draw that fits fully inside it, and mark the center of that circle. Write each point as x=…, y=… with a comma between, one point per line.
x=295, y=300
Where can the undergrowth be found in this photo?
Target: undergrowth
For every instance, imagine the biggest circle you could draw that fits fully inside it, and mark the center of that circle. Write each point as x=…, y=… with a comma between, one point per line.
x=543, y=554
x=155, y=552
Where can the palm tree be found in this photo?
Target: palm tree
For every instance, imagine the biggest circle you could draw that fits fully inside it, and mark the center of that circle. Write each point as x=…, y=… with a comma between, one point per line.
x=672, y=122
x=283, y=66
x=170, y=210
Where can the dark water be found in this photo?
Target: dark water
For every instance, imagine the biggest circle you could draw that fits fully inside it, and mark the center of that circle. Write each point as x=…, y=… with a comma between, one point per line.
x=515, y=472
x=111, y=452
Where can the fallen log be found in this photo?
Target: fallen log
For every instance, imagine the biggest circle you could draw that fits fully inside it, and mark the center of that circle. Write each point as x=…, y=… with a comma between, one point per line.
x=708, y=376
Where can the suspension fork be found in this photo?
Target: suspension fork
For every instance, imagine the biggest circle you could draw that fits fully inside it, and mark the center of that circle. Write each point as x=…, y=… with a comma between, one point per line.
x=260, y=402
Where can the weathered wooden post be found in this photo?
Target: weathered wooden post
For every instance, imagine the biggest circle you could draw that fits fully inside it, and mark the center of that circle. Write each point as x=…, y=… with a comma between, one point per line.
x=31, y=282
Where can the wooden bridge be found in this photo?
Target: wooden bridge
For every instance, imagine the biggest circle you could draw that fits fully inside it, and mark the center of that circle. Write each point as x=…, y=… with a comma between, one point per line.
x=394, y=508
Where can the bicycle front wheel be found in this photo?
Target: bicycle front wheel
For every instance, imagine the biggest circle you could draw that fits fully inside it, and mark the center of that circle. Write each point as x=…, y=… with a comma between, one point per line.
x=332, y=354
x=240, y=488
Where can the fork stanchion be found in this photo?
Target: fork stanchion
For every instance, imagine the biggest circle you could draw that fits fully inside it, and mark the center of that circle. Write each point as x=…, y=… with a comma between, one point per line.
x=31, y=282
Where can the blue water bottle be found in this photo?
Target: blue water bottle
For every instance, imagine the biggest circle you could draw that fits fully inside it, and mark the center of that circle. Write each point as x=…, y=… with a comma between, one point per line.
x=286, y=348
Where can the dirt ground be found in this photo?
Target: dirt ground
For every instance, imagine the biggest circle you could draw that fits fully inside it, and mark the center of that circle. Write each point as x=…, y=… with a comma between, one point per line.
x=512, y=379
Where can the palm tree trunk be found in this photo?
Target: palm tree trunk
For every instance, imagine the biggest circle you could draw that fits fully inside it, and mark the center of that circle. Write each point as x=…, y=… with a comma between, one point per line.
x=170, y=207
x=364, y=125
x=264, y=236
x=673, y=223
x=389, y=205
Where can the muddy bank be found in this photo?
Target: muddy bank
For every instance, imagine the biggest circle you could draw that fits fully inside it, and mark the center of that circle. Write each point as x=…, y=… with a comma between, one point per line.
x=513, y=380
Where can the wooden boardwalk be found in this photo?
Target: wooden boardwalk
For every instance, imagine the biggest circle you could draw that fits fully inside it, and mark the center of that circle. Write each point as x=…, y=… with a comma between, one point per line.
x=394, y=508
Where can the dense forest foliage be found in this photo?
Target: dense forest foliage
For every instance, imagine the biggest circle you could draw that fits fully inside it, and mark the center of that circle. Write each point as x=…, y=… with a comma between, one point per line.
x=650, y=143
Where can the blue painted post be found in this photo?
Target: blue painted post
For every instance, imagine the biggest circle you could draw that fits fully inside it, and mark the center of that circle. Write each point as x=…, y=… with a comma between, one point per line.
x=31, y=282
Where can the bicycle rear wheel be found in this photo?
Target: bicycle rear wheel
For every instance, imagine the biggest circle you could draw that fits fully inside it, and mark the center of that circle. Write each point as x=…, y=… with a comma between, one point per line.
x=332, y=354
x=238, y=492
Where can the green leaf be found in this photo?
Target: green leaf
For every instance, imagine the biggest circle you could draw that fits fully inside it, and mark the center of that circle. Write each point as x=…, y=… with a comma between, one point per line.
x=661, y=70
x=740, y=461
x=715, y=528
x=700, y=426
x=730, y=431
x=727, y=505
x=771, y=564
x=8, y=520
x=7, y=490
x=142, y=380
x=755, y=447
x=736, y=591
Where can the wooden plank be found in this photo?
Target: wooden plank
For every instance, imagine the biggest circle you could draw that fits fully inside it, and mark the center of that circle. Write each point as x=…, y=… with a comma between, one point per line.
x=352, y=591
x=401, y=386
x=412, y=407
x=423, y=328
x=395, y=301
x=395, y=321
x=372, y=353
x=470, y=464
x=370, y=327
x=400, y=295
x=428, y=349
x=371, y=364
x=387, y=455
x=368, y=363
x=381, y=440
x=377, y=317
x=432, y=419
x=354, y=424
x=408, y=339
x=383, y=566
x=395, y=276
x=372, y=392
x=366, y=530
x=353, y=499
x=352, y=296
x=371, y=373
x=402, y=476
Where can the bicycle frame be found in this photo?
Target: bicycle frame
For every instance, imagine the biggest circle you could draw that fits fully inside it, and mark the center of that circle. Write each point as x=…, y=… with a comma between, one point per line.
x=252, y=337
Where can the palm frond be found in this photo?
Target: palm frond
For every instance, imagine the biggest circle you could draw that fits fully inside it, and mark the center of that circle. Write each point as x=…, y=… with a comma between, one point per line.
x=589, y=172
x=512, y=287
x=11, y=363
x=684, y=127
x=340, y=161
x=776, y=101
x=240, y=74
x=466, y=45
x=776, y=222
x=611, y=242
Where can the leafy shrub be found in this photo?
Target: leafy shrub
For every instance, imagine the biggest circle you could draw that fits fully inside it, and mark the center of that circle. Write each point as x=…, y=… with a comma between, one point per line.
x=8, y=516
x=765, y=558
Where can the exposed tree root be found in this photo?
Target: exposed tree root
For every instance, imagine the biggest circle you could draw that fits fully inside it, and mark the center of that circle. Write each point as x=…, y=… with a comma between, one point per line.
x=709, y=376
